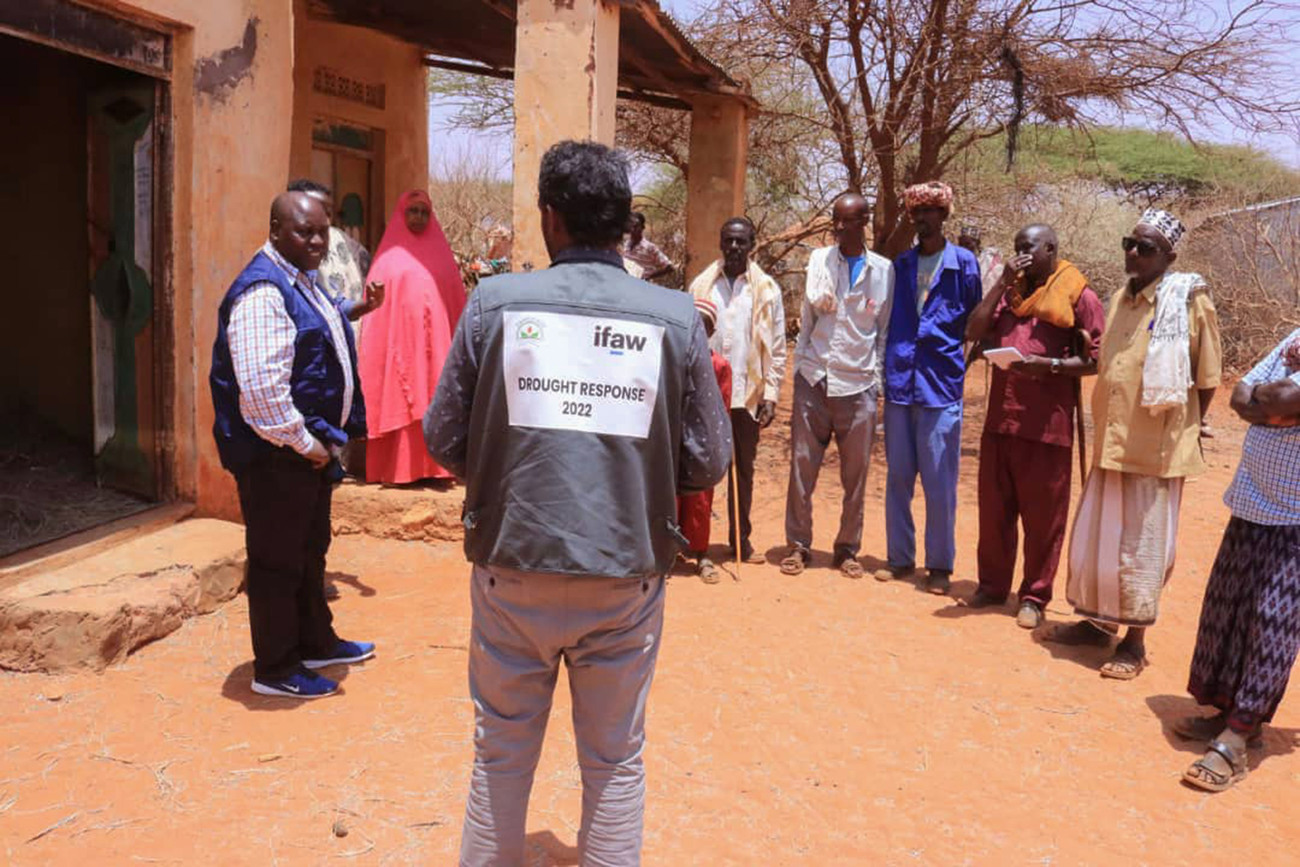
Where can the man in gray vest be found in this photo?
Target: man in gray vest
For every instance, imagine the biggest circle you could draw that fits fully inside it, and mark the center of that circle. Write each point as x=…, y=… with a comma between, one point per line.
x=576, y=403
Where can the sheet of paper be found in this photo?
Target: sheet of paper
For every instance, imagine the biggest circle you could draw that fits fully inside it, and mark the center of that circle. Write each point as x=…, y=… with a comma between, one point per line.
x=1004, y=357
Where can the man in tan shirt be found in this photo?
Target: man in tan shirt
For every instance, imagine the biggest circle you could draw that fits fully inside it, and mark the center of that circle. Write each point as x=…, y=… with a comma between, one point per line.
x=1158, y=367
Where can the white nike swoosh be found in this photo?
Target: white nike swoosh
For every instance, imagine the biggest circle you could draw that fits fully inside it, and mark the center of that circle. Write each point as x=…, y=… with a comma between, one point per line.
x=290, y=687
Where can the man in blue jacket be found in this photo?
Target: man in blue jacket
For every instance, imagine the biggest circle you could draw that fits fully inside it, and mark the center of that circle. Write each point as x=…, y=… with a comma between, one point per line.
x=936, y=286
x=285, y=401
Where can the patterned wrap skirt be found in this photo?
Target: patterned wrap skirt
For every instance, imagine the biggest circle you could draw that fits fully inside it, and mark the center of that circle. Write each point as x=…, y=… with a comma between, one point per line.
x=1250, y=623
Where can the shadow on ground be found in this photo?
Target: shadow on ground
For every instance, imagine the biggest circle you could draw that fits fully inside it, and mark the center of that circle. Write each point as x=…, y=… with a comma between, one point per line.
x=960, y=608
x=352, y=581
x=1088, y=656
x=1168, y=709
x=237, y=687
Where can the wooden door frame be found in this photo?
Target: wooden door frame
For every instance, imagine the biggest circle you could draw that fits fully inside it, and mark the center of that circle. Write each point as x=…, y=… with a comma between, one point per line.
x=99, y=34
x=374, y=155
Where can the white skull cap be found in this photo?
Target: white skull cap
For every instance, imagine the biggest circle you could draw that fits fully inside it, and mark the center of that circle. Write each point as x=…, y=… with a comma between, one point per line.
x=1165, y=223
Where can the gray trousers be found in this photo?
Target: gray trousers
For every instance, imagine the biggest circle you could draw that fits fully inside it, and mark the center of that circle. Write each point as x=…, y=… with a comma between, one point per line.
x=814, y=419
x=607, y=632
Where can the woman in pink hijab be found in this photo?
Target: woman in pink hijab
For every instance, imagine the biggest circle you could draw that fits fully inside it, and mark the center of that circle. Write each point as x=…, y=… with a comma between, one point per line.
x=407, y=339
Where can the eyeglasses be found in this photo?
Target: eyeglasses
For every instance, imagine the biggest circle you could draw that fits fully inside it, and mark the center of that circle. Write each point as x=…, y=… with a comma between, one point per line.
x=1143, y=246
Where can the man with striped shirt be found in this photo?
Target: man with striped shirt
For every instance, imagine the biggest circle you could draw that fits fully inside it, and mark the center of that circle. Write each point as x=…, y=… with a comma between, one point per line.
x=286, y=400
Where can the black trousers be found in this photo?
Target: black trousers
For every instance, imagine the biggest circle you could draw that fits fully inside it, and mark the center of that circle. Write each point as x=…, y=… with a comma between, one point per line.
x=286, y=506
x=744, y=435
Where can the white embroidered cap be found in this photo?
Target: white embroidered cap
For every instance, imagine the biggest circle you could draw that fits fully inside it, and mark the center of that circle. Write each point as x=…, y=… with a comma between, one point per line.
x=1165, y=223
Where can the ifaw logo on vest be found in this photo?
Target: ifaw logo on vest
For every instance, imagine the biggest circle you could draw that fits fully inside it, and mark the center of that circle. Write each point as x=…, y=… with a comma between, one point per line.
x=565, y=371
x=617, y=342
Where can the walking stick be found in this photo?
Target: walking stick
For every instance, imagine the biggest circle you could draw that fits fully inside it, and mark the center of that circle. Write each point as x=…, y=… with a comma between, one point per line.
x=1084, y=343
x=1078, y=424
x=735, y=505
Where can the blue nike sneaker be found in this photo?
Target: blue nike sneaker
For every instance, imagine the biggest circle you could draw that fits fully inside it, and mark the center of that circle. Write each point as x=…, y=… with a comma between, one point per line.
x=300, y=684
x=344, y=652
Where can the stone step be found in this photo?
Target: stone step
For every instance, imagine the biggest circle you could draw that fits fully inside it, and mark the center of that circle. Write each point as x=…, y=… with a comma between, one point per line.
x=407, y=514
x=92, y=612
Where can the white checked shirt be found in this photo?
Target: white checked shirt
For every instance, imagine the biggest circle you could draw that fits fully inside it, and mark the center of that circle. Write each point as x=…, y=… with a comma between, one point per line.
x=1266, y=488
x=261, y=336
x=844, y=347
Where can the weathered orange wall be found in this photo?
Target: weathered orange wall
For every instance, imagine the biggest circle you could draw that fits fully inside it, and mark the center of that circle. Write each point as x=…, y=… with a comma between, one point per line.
x=371, y=57
x=232, y=99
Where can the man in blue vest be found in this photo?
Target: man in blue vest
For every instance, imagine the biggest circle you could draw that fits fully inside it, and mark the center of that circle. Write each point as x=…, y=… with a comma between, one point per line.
x=286, y=399
x=576, y=402
x=936, y=288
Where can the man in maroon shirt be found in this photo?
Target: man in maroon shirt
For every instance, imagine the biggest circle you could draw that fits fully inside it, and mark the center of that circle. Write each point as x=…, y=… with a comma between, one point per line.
x=1043, y=307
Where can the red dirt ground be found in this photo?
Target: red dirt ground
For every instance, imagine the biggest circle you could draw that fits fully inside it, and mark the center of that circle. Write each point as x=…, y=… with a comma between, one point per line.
x=814, y=720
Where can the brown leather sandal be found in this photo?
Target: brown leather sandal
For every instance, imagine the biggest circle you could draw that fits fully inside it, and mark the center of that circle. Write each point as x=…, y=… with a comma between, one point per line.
x=794, y=564
x=1124, y=665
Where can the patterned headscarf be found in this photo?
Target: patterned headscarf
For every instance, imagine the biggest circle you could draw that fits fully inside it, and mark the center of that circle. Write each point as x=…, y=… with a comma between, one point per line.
x=931, y=194
x=969, y=230
x=1165, y=223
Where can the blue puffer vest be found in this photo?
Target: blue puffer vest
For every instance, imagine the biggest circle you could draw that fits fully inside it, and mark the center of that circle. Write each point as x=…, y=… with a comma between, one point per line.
x=316, y=381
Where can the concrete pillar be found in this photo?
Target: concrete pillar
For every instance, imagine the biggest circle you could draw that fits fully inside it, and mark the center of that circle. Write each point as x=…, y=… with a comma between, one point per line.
x=715, y=189
x=566, y=83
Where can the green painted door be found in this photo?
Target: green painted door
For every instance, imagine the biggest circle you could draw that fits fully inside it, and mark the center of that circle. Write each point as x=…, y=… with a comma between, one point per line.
x=121, y=180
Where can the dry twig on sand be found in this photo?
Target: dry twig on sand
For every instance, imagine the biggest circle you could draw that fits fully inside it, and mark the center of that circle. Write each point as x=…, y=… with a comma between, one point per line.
x=107, y=826
x=66, y=820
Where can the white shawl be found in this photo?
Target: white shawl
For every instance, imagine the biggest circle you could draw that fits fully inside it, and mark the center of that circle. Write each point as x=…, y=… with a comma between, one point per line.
x=1167, y=370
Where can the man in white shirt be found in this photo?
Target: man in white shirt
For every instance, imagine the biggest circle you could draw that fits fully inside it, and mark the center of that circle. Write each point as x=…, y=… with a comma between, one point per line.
x=837, y=381
x=750, y=334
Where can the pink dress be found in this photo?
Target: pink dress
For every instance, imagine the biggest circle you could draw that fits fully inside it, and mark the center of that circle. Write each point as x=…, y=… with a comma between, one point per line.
x=405, y=343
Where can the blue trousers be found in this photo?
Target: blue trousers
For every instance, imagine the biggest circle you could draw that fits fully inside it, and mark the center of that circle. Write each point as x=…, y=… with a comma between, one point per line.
x=924, y=440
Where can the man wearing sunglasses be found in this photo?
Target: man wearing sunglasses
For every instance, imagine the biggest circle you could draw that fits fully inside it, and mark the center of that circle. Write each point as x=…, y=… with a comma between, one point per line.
x=1158, y=367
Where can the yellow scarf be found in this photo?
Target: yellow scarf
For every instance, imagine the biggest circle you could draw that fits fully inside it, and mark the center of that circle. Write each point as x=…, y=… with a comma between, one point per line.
x=766, y=291
x=1054, y=301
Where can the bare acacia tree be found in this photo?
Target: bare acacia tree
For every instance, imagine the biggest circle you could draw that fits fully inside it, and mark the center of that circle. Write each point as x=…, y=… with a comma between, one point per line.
x=1251, y=257
x=469, y=199
x=791, y=173
x=907, y=85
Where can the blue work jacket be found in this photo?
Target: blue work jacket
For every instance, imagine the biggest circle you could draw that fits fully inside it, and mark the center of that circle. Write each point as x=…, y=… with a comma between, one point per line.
x=925, y=363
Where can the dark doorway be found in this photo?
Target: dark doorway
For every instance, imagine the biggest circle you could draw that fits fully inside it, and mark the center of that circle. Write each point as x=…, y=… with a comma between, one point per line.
x=78, y=424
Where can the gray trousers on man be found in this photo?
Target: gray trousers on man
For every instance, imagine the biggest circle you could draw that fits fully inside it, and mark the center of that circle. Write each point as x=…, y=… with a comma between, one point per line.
x=607, y=632
x=814, y=419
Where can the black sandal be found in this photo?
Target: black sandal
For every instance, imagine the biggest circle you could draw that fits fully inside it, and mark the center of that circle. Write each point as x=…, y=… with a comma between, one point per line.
x=1202, y=776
